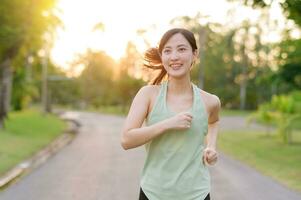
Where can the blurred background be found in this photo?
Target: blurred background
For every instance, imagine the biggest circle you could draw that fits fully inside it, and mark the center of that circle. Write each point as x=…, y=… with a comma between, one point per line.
x=88, y=55
x=68, y=52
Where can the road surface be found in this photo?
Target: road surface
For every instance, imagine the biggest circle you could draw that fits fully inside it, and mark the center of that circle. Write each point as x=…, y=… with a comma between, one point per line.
x=95, y=167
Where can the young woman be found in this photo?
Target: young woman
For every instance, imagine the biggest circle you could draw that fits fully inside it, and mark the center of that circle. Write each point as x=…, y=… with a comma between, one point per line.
x=181, y=124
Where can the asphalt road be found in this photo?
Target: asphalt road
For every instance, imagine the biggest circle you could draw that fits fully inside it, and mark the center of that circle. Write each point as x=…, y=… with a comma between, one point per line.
x=95, y=167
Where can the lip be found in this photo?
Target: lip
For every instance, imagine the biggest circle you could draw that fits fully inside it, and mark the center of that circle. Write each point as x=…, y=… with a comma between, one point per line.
x=176, y=65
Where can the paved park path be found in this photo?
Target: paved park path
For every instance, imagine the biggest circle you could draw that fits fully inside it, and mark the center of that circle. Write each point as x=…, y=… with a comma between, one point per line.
x=95, y=167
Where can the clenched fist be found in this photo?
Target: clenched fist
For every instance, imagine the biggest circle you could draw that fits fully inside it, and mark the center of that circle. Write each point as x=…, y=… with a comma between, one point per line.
x=209, y=156
x=181, y=121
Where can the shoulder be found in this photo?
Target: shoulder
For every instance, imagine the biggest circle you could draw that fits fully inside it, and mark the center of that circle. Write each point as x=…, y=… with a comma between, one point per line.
x=146, y=96
x=148, y=92
x=211, y=101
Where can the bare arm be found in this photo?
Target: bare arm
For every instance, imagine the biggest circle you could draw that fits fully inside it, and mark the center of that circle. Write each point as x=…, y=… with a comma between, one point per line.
x=133, y=135
x=213, y=122
x=211, y=138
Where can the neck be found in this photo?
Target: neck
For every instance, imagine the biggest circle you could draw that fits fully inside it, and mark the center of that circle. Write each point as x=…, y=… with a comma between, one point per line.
x=179, y=86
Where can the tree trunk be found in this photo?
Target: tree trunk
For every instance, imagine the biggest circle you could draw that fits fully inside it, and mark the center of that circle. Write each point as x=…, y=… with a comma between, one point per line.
x=202, y=43
x=244, y=79
x=28, y=67
x=5, y=90
x=242, y=95
x=45, y=100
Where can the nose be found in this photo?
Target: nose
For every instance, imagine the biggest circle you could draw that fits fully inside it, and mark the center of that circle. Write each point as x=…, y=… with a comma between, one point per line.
x=174, y=55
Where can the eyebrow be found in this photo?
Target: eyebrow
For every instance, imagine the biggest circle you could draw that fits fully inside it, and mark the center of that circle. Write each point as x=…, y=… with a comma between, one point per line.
x=180, y=45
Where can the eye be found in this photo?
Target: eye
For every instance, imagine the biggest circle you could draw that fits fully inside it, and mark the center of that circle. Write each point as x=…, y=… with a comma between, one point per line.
x=182, y=49
x=166, y=51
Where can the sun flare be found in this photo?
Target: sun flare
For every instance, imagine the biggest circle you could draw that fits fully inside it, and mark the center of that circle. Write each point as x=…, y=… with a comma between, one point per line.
x=121, y=20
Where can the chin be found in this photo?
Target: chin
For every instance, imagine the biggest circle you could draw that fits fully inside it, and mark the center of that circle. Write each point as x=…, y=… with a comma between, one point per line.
x=178, y=73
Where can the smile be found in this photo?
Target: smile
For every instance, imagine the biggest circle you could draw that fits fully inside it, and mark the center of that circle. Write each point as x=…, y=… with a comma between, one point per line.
x=175, y=66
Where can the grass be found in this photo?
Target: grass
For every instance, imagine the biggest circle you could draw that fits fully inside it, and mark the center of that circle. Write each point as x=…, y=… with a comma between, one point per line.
x=266, y=154
x=26, y=132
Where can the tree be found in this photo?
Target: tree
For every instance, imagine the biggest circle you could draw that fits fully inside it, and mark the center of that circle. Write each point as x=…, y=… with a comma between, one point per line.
x=130, y=74
x=230, y=57
x=96, y=80
x=23, y=23
x=289, y=60
x=291, y=8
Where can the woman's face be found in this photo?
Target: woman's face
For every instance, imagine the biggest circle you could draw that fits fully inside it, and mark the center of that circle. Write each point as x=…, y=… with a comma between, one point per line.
x=177, y=56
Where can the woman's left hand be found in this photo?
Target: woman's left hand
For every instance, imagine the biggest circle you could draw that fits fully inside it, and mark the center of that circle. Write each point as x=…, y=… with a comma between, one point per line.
x=209, y=156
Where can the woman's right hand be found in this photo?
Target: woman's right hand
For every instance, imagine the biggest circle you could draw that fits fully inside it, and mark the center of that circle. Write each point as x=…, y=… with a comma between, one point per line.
x=180, y=121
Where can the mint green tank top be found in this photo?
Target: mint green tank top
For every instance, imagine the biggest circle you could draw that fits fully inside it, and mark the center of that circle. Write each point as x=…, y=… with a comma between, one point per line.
x=173, y=168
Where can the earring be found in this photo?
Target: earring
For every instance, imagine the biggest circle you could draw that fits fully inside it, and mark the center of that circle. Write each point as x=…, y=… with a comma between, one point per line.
x=192, y=63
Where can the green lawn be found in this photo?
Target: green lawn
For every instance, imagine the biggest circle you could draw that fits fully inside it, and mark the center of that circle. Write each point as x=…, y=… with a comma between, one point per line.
x=26, y=132
x=266, y=154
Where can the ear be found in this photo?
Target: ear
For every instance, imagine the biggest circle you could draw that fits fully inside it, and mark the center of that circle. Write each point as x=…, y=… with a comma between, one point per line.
x=195, y=55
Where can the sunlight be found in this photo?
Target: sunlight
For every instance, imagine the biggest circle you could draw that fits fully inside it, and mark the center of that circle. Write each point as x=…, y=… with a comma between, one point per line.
x=121, y=21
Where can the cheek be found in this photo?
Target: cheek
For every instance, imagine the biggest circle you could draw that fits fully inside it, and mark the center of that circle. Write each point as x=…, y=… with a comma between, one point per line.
x=165, y=61
x=164, y=58
x=189, y=60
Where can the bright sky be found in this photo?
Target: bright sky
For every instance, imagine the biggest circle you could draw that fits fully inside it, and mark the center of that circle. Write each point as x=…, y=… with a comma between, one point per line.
x=122, y=18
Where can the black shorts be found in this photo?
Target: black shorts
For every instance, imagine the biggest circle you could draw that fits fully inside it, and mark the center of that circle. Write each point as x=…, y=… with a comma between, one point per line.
x=143, y=197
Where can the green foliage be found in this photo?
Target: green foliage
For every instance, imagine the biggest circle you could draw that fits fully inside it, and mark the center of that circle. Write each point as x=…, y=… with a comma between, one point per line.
x=282, y=103
x=101, y=84
x=263, y=115
x=96, y=80
x=127, y=87
x=23, y=23
x=26, y=27
x=291, y=8
x=283, y=111
x=65, y=92
x=289, y=74
x=24, y=90
x=235, y=59
x=290, y=51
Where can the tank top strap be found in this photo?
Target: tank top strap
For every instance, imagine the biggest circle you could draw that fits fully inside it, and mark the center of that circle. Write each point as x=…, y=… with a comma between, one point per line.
x=163, y=92
x=159, y=101
x=196, y=96
x=199, y=102
x=164, y=95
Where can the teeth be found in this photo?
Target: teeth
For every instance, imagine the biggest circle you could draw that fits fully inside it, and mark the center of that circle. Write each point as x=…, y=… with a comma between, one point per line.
x=176, y=65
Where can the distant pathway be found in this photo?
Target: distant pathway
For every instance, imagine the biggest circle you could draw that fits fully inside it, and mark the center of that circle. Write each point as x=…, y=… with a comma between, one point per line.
x=238, y=123
x=95, y=167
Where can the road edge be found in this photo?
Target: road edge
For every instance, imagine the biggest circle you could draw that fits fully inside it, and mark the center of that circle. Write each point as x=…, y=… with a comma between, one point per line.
x=42, y=155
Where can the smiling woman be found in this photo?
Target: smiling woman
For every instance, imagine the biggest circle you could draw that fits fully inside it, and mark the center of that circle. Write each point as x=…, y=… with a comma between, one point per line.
x=180, y=132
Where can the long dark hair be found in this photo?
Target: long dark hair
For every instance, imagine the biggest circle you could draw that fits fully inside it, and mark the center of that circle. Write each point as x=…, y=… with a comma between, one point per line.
x=152, y=56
